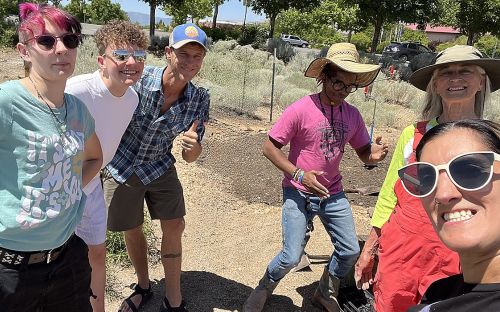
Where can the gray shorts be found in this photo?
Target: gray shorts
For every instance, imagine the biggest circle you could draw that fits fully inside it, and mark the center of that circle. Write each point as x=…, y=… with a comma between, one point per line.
x=164, y=198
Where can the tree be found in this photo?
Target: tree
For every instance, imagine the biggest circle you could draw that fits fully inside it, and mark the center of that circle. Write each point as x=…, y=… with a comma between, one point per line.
x=194, y=9
x=77, y=8
x=390, y=11
x=153, y=4
x=271, y=8
x=102, y=11
x=216, y=4
x=472, y=17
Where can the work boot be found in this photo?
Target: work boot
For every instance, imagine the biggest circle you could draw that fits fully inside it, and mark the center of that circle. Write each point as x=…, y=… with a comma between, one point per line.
x=326, y=294
x=257, y=299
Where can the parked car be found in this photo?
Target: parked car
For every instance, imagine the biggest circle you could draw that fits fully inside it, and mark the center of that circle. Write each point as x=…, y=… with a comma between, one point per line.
x=404, y=51
x=294, y=40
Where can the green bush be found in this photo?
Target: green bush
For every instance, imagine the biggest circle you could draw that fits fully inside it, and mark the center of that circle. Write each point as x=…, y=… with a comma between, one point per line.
x=415, y=36
x=255, y=35
x=157, y=45
x=488, y=44
x=8, y=35
x=223, y=33
x=362, y=41
x=462, y=40
x=284, y=50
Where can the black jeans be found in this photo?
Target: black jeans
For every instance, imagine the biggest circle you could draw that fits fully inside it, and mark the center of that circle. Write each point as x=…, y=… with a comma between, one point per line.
x=62, y=285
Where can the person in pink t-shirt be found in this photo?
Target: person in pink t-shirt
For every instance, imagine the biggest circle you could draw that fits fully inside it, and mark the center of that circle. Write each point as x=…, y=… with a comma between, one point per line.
x=317, y=127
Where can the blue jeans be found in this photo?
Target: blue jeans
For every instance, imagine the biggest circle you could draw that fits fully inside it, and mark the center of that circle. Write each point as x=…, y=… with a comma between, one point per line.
x=336, y=215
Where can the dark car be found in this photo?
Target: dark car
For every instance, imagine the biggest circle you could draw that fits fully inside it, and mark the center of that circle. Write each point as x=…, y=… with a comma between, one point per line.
x=404, y=51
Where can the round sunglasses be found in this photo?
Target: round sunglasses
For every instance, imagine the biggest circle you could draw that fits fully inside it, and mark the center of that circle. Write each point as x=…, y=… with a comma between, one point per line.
x=47, y=42
x=469, y=172
x=339, y=85
x=123, y=55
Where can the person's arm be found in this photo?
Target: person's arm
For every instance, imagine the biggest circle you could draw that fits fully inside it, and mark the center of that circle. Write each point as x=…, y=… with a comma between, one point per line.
x=191, y=148
x=272, y=150
x=373, y=153
x=92, y=159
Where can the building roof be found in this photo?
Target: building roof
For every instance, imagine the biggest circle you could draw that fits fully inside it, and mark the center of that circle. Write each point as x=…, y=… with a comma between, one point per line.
x=436, y=29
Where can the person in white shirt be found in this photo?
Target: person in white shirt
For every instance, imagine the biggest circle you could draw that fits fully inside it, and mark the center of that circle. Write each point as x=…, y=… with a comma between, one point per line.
x=108, y=95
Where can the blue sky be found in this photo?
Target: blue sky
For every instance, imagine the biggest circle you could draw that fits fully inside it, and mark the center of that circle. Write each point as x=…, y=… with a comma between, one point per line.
x=231, y=10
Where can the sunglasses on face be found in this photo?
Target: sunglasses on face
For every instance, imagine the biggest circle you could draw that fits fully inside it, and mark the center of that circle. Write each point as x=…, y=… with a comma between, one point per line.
x=469, y=172
x=47, y=42
x=123, y=55
x=339, y=85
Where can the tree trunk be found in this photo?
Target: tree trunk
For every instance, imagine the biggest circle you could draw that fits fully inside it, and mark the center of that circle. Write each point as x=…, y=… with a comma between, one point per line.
x=216, y=12
x=272, y=23
x=470, y=38
x=376, y=33
x=152, y=18
x=349, y=36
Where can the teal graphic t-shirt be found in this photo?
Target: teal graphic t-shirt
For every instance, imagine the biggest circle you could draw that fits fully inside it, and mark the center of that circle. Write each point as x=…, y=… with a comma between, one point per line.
x=41, y=156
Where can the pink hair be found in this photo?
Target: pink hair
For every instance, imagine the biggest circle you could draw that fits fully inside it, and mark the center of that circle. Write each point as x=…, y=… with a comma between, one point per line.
x=33, y=18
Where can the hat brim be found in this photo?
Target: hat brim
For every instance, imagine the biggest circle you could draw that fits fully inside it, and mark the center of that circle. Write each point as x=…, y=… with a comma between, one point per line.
x=365, y=73
x=421, y=77
x=181, y=43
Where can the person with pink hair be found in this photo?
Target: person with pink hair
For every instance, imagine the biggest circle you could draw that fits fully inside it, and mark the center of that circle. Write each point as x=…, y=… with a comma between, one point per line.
x=49, y=151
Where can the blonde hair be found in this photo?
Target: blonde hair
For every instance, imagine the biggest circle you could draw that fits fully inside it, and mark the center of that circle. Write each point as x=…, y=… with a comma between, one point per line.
x=434, y=107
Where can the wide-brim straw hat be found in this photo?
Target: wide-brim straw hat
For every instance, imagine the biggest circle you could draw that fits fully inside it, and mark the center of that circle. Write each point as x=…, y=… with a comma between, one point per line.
x=458, y=54
x=346, y=57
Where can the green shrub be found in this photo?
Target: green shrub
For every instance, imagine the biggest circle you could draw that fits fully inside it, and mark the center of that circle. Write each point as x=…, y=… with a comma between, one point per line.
x=462, y=40
x=8, y=35
x=284, y=50
x=157, y=45
x=488, y=44
x=415, y=36
x=223, y=32
x=362, y=41
x=255, y=35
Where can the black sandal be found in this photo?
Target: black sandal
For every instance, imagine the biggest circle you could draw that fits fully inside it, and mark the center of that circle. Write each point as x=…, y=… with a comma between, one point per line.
x=145, y=294
x=165, y=307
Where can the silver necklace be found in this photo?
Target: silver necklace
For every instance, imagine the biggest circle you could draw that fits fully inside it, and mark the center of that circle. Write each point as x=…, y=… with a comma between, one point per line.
x=60, y=125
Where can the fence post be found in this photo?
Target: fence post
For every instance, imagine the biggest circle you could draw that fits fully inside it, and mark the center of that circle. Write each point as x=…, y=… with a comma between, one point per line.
x=272, y=87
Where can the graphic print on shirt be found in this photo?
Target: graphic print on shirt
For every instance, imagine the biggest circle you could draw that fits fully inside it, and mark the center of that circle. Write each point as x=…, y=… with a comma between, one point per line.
x=55, y=184
x=332, y=138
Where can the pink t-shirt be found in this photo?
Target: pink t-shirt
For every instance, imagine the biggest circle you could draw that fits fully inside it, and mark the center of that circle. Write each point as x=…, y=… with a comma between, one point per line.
x=317, y=143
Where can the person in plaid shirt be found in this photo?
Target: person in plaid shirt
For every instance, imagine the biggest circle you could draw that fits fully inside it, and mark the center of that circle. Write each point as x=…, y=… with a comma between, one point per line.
x=143, y=167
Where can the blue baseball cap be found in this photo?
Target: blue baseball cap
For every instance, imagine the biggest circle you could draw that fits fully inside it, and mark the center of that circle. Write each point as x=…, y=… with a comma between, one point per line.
x=186, y=33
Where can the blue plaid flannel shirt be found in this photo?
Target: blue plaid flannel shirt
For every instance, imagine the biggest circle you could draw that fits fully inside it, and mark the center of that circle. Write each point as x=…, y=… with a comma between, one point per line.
x=146, y=146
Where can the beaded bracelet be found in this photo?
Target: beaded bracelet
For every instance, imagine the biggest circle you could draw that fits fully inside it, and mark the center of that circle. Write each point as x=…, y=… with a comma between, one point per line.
x=295, y=174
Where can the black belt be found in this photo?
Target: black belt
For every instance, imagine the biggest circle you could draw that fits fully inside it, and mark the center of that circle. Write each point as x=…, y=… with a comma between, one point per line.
x=16, y=258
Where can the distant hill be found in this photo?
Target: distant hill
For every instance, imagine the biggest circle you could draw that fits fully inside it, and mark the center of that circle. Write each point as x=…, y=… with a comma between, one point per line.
x=143, y=19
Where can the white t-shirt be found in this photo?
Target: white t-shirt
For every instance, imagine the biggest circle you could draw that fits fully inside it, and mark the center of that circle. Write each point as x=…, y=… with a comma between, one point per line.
x=111, y=114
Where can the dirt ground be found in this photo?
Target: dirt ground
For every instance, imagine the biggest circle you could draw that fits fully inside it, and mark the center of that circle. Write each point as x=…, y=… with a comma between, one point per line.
x=233, y=223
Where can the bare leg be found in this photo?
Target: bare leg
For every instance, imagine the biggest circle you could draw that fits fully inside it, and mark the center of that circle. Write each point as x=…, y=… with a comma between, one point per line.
x=97, y=259
x=137, y=249
x=171, y=250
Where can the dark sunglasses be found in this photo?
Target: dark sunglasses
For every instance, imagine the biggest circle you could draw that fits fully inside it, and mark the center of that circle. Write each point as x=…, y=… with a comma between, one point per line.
x=47, y=42
x=339, y=85
x=123, y=55
x=469, y=172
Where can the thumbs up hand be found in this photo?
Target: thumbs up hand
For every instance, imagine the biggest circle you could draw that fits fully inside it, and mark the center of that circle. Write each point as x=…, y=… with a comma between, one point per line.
x=190, y=137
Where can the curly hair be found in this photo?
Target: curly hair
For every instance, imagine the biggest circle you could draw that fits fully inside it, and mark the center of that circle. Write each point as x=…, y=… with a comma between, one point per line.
x=117, y=32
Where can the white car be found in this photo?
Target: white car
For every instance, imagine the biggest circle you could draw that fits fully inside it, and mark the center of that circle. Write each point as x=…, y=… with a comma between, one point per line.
x=294, y=40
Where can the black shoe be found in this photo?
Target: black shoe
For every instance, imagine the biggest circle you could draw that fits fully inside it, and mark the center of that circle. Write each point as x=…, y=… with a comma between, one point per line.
x=165, y=307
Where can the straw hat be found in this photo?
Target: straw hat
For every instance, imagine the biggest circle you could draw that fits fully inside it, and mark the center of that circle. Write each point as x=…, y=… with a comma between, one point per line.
x=458, y=54
x=346, y=57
